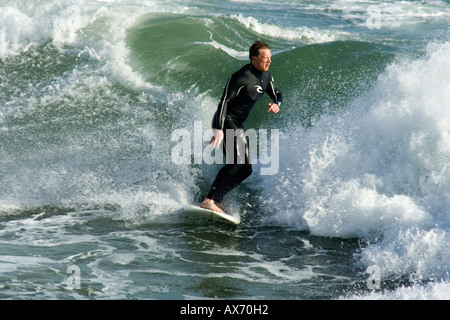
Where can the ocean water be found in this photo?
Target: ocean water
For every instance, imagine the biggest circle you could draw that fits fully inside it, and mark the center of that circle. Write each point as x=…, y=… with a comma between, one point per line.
x=91, y=93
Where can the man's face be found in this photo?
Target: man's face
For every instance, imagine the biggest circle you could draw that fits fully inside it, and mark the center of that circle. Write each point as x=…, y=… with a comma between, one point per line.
x=262, y=62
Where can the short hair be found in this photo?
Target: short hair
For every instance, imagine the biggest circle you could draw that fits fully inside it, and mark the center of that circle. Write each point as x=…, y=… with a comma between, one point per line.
x=256, y=46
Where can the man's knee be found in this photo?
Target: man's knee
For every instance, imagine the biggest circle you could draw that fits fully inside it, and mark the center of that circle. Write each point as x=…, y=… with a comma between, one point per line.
x=244, y=170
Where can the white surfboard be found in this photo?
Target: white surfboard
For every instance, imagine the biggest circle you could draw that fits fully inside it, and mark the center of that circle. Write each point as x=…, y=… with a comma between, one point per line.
x=210, y=214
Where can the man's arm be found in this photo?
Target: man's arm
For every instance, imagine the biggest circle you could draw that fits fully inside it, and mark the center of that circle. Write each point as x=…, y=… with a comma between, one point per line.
x=276, y=95
x=234, y=85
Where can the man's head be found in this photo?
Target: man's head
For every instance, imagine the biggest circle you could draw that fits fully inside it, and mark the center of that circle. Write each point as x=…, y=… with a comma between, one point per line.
x=260, y=55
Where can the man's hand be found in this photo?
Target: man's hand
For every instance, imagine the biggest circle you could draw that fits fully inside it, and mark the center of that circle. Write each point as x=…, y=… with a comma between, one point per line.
x=216, y=140
x=273, y=107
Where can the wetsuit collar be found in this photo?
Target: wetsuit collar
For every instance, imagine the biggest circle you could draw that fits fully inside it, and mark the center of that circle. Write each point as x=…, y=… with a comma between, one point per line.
x=255, y=71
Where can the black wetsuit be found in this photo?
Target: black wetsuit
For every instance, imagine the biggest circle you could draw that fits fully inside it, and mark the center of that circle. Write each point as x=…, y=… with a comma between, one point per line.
x=244, y=88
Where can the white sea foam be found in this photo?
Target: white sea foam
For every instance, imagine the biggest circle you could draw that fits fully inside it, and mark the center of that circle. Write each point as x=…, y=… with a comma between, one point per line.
x=240, y=55
x=96, y=33
x=430, y=291
x=390, y=14
x=96, y=30
x=17, y=31
x=301, y=34
x=379, y=168
x=22, y=25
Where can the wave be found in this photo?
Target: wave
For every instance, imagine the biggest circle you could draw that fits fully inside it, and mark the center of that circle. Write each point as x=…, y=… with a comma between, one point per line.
x=73, y=112
x=96, y=32
x=25, y=26
x=389, y=14
x=302, y=34
x=379, y=170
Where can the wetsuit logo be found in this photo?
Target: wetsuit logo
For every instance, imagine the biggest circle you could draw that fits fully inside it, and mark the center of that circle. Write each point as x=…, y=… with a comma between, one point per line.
x=259, y=89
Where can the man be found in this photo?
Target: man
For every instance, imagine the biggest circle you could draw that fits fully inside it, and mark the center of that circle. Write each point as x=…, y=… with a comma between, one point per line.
x=243, y=90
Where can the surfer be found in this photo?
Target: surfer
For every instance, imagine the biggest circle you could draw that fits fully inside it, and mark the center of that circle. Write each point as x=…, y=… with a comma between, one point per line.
x=243, y=89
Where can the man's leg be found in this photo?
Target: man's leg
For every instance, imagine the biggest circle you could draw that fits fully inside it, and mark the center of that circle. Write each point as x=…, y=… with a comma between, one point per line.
x=237, y=169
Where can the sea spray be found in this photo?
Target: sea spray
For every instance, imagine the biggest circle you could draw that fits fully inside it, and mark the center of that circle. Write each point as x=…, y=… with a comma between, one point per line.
x=379, y=170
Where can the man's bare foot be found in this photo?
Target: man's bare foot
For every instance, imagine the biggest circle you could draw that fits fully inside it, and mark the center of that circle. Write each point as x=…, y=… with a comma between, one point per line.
x=221, y=206
x=211, y=205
